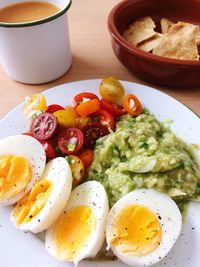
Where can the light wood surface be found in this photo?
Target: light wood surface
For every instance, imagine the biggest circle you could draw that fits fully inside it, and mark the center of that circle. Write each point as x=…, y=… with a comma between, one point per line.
x=92, y=58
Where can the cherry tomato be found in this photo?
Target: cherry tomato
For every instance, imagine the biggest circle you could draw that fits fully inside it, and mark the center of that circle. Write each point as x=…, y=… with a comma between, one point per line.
x=44, y=126
x=67, y=117
x=50, y=152
x=77, y=168
x=87, y=157
x=105, y=118
x=78, y=99
x=33, y=104
x=88, y=107
x=92, y=132
x=53, y=108
x=29, y=134
x=114, y=109
x=82, y=121
x=111, y=89
x=132, y=105
x=70, y=141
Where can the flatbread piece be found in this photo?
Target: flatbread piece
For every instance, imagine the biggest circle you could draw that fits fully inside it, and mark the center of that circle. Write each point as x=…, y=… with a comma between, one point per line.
x=140, y=30
x=149, y=44
x=179, y=42
x=165, y=25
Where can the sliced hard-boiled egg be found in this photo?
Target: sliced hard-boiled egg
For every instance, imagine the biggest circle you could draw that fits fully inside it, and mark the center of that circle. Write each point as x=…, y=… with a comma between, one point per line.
x=22, y=161
x=79, y=232
x=43, y=204
x=142, y=227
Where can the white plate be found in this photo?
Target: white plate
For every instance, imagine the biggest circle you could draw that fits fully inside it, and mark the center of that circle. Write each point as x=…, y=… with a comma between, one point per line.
x=19, y=249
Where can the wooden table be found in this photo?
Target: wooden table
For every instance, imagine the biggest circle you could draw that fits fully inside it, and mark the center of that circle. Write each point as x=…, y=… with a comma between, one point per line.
x=92, y=58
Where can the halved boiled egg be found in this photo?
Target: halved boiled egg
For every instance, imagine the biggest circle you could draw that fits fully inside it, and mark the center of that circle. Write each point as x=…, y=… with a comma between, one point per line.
x=22, y=161
x=142, y=227
x=42, y=205
x=79, y=233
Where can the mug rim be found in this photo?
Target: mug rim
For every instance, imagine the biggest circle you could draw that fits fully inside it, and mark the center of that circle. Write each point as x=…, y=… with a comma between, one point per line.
x=37, y=22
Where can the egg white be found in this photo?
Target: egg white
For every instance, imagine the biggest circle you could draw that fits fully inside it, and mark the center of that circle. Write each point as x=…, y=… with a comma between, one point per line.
x=33, y=151
x=58, y=172
x=168, y=215
x=90, y=194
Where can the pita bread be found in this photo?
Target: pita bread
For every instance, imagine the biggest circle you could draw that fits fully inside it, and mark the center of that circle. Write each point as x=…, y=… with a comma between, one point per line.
x=165, y=25
x=149, y=44
x=179, y=42
x=140, y=30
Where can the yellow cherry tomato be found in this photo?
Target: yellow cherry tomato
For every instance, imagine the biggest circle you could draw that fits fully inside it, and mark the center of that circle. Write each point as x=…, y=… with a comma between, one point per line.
x=33, y=104
x=111, y=89
x=82, y=121
x=66, y=117
x=77, y=168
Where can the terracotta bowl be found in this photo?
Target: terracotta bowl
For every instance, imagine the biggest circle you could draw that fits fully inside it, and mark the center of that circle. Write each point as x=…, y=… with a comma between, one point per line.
x=156, y=69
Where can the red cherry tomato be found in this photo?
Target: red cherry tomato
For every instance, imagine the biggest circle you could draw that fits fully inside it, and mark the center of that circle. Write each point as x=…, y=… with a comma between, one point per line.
x=53, y=108
x=29, y=134
x=114, y=109
x=78, y=99
x=105, y=118
x=50, y=152
x=70, y=141
x=92, y=132
x=44, y=126
x=87, y=157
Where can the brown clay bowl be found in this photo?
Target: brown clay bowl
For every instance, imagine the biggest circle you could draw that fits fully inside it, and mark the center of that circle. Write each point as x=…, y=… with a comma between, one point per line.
x=156, y=69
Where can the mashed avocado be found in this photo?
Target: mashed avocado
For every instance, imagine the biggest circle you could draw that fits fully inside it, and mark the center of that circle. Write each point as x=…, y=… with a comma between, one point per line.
x=144, y=152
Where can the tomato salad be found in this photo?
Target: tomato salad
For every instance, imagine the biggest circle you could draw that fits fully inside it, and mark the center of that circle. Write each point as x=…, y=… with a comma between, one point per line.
x=72, y=131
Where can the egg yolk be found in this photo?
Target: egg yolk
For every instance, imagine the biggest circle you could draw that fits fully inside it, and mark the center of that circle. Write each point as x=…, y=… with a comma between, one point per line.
x=15, y=174
x=136, y=231
x=32, y=203
x=73, y=231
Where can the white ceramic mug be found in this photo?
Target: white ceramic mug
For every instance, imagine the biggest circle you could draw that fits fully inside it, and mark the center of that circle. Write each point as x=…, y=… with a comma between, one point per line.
x=39, y=51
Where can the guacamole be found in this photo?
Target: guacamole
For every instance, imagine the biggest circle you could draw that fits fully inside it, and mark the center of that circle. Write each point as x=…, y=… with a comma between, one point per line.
x=144, y=152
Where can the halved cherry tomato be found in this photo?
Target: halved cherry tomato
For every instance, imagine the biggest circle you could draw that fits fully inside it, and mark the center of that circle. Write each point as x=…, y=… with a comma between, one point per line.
x=89, y=107
x=50, y=152
x=44, y=126
x=105, y=118
x=53, y=108
x=33, y=104
x=92, y=132
x=114, y=109
x=29, y=134
x=70, y=141
x=77, y=168
x=67, y=117
x=78, y=99
x=87, y=157
x=134, y=108
x=111, y=89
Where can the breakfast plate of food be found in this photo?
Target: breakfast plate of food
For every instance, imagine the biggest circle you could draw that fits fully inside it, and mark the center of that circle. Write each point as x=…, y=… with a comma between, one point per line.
x=100, y=173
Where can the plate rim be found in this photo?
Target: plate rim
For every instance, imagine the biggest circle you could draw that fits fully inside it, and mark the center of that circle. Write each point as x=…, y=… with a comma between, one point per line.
x=104, y=262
